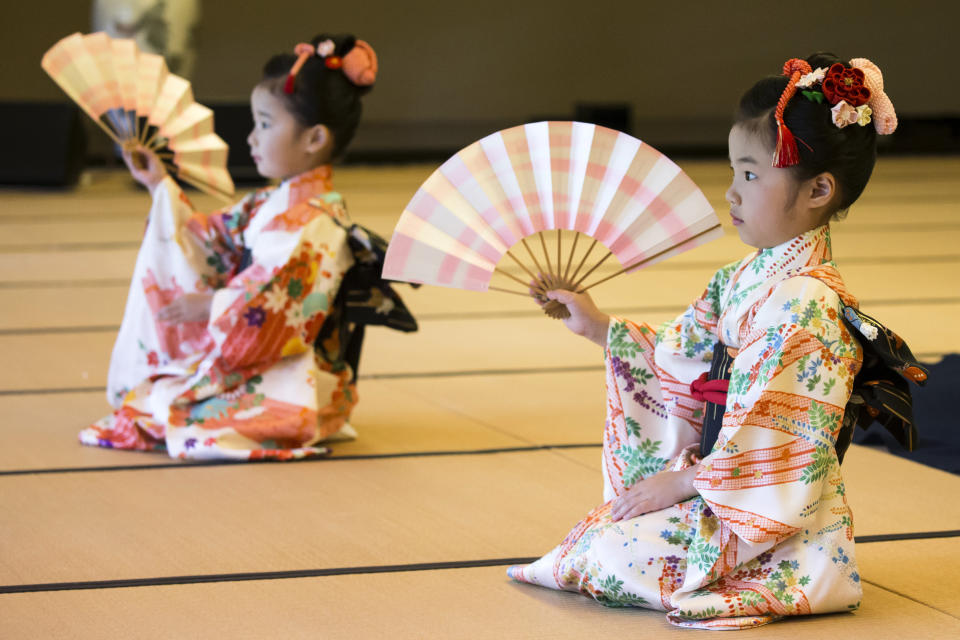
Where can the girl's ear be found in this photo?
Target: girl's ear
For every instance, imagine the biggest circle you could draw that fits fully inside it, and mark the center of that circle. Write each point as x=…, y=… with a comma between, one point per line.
x=823, y=189
x=318, y=138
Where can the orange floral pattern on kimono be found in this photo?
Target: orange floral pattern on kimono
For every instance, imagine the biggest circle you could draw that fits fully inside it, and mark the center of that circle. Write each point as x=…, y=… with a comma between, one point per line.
x=247, y=383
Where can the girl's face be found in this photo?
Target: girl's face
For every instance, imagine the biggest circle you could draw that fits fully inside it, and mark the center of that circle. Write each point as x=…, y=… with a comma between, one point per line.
x=281, y=147
x=767, y=204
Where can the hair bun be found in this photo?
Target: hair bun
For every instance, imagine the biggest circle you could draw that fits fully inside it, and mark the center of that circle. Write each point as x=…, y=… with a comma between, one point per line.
x=884, y=115
x=360, y=64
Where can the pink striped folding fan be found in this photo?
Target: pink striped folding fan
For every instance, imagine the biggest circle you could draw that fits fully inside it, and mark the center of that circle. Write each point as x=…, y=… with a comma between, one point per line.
x=134, y=98
x=562, y=179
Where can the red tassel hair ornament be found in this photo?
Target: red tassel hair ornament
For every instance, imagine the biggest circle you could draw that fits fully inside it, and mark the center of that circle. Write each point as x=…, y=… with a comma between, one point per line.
x=303, y=51
x=786, y=153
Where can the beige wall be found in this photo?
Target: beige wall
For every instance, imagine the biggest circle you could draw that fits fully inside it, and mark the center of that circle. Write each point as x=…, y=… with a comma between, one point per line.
x=681, y=65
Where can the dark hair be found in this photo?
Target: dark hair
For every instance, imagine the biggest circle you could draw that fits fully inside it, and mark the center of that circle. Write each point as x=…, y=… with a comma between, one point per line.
x=320, y=95
x=848, y=153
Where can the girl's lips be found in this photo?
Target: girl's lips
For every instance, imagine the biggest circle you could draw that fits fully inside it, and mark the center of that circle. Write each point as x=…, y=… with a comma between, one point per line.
x=736, y=221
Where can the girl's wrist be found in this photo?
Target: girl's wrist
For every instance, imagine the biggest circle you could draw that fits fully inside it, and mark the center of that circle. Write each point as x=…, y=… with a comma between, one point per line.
x=601, y=329
x=155, y=185
x=689, y=475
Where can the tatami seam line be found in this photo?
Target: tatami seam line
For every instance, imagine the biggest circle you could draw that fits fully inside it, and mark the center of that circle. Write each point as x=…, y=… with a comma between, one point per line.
x=175, y=464
x=123, y=245
x=668, y=266
x=911, y=598
x=399, y=375
x=342, y=571
x=491, y=315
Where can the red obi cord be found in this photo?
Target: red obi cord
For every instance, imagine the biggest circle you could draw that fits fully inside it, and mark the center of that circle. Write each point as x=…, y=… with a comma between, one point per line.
x=714, y=391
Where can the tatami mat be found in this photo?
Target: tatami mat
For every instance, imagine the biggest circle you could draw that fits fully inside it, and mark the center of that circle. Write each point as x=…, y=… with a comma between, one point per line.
x=272, y=517
x=452, y=604
x=40, y=432
x=118, y=262
x=101, y=305
x=72, y=360
x=179, y=521
x=923, y=570
x=486, y=372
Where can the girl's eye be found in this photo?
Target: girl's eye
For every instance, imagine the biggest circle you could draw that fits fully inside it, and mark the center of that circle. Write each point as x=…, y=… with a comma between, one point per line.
x=750, y=175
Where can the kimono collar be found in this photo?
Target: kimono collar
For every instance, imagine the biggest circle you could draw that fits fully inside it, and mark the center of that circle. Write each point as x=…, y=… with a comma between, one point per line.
x=760, y=272
x=310, y=184
x=808, y=249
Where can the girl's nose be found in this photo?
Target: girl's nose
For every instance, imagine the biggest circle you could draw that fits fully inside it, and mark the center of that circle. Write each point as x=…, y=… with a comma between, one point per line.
x=731, y=195
x=250, y=138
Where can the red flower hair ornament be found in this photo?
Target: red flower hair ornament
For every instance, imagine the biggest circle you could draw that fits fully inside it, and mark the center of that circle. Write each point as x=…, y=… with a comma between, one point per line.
x=845, y=83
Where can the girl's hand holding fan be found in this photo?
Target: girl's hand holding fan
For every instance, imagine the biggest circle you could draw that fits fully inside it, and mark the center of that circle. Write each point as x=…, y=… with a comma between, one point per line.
x=583, y=317
x=144, y=164
x=191, y=307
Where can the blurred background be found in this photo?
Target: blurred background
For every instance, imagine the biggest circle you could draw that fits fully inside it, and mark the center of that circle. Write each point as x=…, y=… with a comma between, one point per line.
x=669, y=73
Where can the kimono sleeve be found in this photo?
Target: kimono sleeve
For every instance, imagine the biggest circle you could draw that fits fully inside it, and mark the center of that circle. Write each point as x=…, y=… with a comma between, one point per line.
x=274, y=308
x=789, y=385
x=211, y=243
x=692, y=336
x=651, y=416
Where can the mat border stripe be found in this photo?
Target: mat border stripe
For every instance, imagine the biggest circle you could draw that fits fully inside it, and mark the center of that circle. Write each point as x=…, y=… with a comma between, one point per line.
x=359, y=570
x=173, y=464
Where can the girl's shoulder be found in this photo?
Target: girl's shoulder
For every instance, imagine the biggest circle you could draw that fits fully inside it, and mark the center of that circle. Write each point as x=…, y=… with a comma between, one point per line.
x=720, y=281
x=802, y=301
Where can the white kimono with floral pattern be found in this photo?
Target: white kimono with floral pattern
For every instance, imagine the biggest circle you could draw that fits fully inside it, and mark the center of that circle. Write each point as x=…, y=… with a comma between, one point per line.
x=247, y=383
x=769, y=533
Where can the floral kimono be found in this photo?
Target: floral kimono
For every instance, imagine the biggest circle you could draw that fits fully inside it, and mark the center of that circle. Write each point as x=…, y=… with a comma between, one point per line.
x=248, y=383
x=769, y=533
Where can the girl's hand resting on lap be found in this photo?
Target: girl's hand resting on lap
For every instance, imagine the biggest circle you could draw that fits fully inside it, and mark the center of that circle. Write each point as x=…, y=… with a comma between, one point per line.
x=192, y=307
x=657, y=492
x=145, y=166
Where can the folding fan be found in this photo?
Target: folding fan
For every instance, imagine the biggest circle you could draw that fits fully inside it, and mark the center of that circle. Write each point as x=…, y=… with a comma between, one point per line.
x=563, y=179
x=134, y=98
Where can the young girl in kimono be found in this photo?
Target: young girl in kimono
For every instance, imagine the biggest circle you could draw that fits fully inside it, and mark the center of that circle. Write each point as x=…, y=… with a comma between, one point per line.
x=754, y=526
x=215, y=357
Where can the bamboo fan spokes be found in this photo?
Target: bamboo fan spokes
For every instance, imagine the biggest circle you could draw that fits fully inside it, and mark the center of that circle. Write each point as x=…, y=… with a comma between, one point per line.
x=573, y=261
x=134, y=99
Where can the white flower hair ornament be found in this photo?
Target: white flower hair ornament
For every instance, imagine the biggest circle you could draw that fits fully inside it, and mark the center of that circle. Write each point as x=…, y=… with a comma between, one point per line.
x=812, y=78
x=843, y=114
x=326, y=48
